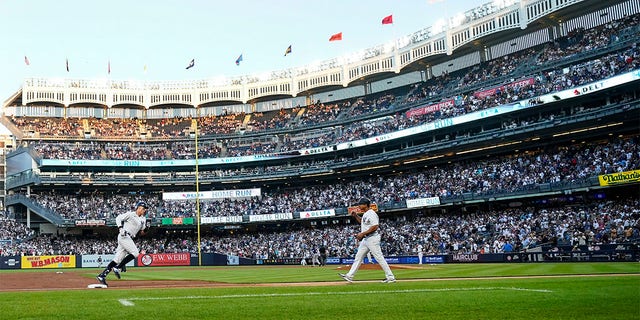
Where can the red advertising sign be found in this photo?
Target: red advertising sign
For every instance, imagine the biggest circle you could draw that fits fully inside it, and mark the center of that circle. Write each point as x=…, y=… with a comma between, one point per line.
x=165, y=259
x=522, y=83
x=430, y=108
x=492, y=91
x=486, y=93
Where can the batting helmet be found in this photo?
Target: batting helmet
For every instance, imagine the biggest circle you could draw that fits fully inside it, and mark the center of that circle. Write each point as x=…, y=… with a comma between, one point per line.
x=142, y=204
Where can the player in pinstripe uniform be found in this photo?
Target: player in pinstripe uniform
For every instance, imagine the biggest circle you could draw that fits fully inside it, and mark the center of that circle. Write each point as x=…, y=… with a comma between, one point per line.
x=129, y=224
x=369, y=238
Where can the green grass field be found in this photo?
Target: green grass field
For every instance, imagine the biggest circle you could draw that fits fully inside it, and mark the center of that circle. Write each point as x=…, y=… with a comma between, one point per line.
x=575, y=291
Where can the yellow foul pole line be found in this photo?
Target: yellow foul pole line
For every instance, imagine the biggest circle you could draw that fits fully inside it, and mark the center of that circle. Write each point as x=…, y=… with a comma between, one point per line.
x=198, y=195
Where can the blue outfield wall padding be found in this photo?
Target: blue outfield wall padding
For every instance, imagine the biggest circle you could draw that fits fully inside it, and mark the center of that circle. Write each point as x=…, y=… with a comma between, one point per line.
x=10, y=262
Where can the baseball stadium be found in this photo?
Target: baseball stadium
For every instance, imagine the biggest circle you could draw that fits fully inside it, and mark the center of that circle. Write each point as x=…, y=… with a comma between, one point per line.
x=499, y=151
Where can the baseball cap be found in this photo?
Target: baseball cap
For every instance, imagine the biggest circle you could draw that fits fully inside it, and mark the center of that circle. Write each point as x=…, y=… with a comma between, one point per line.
x=142, y=204
x=364, y=201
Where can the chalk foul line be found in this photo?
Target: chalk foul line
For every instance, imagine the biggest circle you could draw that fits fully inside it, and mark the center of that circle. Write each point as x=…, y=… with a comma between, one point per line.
x=129, y=302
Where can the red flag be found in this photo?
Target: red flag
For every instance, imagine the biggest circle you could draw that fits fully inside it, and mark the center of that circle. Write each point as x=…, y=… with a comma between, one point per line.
x=336, y=37
x=26, y=60
x=388, y=19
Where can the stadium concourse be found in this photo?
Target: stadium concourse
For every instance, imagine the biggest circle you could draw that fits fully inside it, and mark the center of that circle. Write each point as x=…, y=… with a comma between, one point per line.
x=525, y=179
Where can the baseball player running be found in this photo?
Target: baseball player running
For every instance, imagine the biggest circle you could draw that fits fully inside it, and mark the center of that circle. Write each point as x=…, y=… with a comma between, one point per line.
x=369, y=238
x=129, y=224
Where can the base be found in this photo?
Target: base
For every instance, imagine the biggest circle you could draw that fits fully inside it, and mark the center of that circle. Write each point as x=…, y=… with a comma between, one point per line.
x=97, y=286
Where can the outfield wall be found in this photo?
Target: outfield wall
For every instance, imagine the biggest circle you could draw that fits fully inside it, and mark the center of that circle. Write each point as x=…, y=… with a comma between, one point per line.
x=614, y=252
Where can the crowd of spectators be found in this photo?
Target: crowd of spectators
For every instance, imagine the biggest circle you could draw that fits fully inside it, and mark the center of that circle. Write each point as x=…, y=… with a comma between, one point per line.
x=13, y=231
x=222, y=124
x=543, y=83
x=69, y=151
x=309, y=140
x=115, y=127
x=580, y=40
x=49, y=127
x=585, y=225
x=254, y=148
x=261, y=121
x=465, y=234
x=168, y=127
x=520, y=171
x=320, y=112
x=496, y=68
x=381, y=104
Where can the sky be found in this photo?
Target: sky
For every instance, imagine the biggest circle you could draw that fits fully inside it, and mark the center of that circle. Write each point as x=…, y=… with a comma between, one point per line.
x=163, y=36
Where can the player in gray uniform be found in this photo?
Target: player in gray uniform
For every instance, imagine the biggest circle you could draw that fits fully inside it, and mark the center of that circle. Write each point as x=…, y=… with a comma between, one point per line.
x=369, y=238
x=129, y=224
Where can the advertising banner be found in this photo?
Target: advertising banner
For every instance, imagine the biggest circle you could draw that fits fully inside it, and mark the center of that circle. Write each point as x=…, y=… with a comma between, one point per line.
x=618, y=178
x=430, y=108
x=279, y=261
x=50, y=262
x=98, y=260
x=233, y=260
x=416, y=260
x=432, y=259
x=317, y=214
x=166, y=163
x=164, y=259
x=90, y=222
x=390, y=260
x=423, y=202
x=271, y=217
x=492, y=91
x=12, y=262
x=465, y=257
x=215, y=194
x=177, y=221
x=221, y=219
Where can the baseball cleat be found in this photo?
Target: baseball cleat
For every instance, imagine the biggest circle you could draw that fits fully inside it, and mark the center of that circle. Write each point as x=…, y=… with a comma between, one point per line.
x=102, y=279
x=392, y=280
x=116, y=271
x=346, y=277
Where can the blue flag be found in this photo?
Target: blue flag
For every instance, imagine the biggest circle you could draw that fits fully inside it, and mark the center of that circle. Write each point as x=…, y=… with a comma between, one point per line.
x=238, y=60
